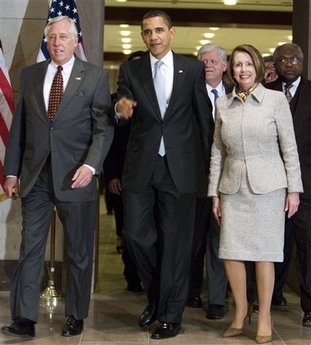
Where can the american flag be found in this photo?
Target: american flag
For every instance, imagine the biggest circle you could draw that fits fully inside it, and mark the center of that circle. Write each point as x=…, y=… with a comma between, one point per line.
x=6, y=112
x=63, y=8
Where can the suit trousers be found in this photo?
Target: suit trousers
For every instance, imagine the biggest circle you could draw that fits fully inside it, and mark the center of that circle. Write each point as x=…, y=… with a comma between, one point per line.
x=79, y=220
x=206, y=240
x=302, y=233
x=158, y=232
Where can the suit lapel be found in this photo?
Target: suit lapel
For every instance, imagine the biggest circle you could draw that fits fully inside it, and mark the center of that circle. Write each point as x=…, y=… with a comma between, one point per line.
x=38, y=83
x=75, y=80
x=145, y=75
x=178, y=80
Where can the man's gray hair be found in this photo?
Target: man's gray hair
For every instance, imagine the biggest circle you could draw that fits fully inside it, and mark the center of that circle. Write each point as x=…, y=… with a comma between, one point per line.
x=73, y=29
x=209, y=47
x=276, y=51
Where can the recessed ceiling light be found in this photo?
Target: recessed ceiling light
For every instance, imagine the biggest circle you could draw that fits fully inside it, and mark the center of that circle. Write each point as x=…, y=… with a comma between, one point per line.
x=209, y=35
x=204, y=41
x=290, y=37
x=271, y=50
x=124, y=26
x=214, y=28
x=121, y=0
x=230, y=2
x=125, y=33
x=281, y=43
x=127, y=51
x=126, y=39
x=126, y=46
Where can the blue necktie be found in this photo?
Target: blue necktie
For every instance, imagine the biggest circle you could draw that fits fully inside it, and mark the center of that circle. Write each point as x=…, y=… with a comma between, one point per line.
x=159, y=85
x=215, y=93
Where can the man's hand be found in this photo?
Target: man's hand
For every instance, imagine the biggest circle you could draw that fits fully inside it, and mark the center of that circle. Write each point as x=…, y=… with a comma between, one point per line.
x=82, y=177
x=125, y=107
x=11, y=187
x=114, y=186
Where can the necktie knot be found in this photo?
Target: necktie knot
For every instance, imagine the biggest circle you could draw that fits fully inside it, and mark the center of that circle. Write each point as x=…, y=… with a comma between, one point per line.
x=287, y=92
x=59, y=69
x=215, y=93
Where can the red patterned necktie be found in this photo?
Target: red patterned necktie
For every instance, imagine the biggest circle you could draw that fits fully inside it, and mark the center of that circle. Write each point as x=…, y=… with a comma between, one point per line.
x=56, y=93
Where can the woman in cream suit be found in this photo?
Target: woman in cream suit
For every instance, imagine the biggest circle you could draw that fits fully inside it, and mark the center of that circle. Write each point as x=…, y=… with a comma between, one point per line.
x=254, y=180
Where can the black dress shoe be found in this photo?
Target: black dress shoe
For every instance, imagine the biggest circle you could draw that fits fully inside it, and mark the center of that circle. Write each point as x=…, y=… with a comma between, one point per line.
x=148, y=316
x=215, y=311
x=72, y=327
x=194, y=302
x=306, y=321
x=136, y=287
x=20, y=327
x=279, y=303
x=166, y=330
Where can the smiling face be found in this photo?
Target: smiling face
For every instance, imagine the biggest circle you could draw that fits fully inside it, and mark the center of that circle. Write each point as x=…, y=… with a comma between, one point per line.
x=244, y=71
x=61, y=42
x=157, y=36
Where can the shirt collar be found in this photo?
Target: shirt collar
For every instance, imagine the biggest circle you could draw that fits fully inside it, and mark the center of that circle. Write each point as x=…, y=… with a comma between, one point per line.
x=68, y=65
x=294, y=83
x=257, y=93
x=167, y=59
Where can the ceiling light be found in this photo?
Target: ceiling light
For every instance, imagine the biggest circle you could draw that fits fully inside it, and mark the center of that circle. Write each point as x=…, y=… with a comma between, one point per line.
x=290, y=37
x=214, y=28
x=230, y=2
x=126, y=39
x=127, y=51
x=126, y=46
x=271, y=50
x=121, y=0
x=281, y=43
x=209, y=35
x=204, y=41
x=125, y=33
x=124, y=26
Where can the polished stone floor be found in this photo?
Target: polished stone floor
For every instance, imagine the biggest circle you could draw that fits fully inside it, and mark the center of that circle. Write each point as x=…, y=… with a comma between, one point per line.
x=114, y=311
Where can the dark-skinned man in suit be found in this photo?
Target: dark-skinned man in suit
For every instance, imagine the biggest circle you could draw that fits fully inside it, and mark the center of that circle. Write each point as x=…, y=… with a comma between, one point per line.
x=159, y=179
x=288, y=60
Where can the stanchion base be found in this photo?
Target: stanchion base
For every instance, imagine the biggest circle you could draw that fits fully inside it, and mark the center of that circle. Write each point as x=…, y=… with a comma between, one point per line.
x=50, y=291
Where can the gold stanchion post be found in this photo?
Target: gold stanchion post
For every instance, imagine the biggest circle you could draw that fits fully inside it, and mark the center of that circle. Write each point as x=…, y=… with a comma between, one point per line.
x=51, y=291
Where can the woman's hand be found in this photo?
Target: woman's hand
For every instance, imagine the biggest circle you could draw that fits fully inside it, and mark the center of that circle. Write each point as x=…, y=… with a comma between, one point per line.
x=216, y=209
x=291, y=203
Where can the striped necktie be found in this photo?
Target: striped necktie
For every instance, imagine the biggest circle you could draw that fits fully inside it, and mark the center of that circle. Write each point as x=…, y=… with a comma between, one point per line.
x=287, y=92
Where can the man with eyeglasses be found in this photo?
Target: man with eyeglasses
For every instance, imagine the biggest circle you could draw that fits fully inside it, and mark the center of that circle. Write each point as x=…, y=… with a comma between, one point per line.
x=288, y=59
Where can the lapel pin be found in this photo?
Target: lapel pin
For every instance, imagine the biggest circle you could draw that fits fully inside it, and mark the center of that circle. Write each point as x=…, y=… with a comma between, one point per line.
x=78, y=78
x=181, y=71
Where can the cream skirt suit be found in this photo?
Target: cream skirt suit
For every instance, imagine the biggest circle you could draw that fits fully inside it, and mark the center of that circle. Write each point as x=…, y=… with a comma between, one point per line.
x=254, y=164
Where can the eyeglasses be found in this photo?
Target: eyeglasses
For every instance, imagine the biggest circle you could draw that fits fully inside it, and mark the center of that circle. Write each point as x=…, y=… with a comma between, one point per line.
x=292, y=60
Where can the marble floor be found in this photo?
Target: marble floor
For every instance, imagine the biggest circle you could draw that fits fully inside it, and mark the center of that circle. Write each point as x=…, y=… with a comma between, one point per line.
x=114, y=311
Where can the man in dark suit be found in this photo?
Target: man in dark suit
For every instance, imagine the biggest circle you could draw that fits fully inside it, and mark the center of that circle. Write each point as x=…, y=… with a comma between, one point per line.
x=288, y=59
x=206, y=230
x=53, y=162
x=113, y=167
x=160, y=172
